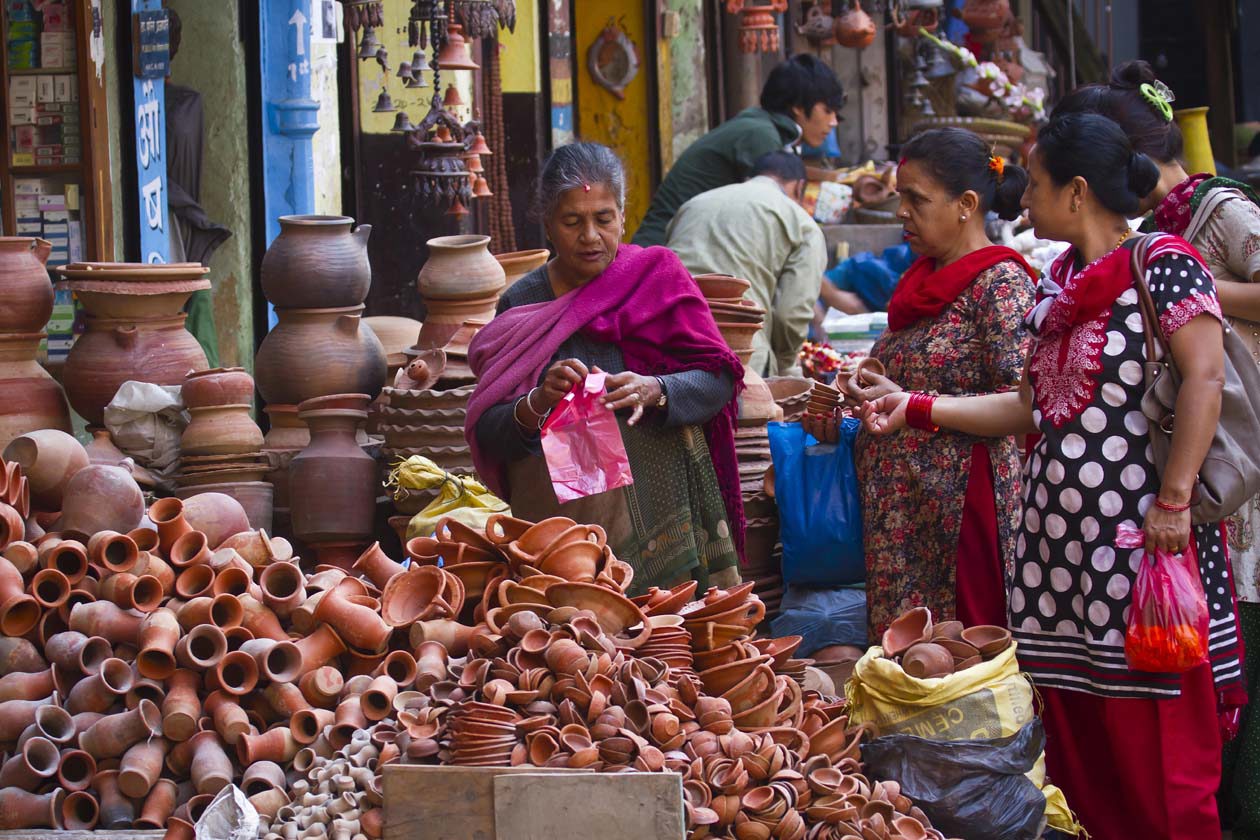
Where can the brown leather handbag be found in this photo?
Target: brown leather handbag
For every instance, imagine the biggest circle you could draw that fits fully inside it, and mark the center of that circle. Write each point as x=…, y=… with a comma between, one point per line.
x=1230, y=474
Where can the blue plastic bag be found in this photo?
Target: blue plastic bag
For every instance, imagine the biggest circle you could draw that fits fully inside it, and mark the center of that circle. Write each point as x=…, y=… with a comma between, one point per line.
x=873, y=278
x=820, y=506
x=822, y=617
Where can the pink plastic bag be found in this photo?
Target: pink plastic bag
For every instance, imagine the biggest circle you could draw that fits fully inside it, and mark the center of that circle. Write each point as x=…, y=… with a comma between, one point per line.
x=1168, y=620
x=582, y=444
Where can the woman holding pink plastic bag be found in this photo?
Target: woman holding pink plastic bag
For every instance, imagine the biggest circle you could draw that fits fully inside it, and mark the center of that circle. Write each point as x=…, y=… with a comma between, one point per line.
x=636, y=316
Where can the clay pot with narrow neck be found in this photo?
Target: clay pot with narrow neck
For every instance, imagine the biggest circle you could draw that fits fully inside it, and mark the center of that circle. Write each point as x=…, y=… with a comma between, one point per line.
x=460, y=268
x=312, y=352
x=19, y=809
x=49, y=459
x=114, y=350
x=333, y=483
x=317, y=261
x=30, y=399
x=358, y=625
x=26, y=293
x=113, y=735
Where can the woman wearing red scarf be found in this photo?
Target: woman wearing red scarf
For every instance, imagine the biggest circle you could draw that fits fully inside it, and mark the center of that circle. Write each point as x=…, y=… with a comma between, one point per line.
x=940, y=512
x=1137, y=753
x=1221, y=218
x=634, y=313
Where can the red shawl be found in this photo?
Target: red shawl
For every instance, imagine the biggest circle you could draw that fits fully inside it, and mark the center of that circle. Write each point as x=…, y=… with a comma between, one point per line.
x=924, y=290
x=646, y=303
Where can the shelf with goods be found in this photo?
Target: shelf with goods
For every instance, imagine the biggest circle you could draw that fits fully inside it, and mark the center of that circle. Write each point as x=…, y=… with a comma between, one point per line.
x=54, y=154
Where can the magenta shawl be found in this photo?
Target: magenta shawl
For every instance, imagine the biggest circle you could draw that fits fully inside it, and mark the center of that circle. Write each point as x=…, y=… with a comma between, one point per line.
x=646, y=303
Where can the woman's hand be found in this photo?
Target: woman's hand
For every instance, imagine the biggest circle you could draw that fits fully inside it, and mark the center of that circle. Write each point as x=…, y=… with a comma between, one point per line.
x=630, y=390
x=1166, y=531
x=885, y=415
x=872, y=386
x=560, y=379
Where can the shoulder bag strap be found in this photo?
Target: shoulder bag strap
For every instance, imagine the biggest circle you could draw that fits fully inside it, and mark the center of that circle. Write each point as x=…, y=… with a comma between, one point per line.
x=1146, y=304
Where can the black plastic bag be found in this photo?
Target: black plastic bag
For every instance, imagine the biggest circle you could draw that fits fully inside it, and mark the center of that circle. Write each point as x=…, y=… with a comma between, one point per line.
x=972, y=789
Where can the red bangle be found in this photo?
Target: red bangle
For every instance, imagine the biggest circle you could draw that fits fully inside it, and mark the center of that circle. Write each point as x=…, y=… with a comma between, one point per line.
x=919, y=412
x=1162, y=505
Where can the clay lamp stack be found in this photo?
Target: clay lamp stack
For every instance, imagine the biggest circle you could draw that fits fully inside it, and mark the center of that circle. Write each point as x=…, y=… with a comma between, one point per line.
x=929, y=651
x=425, y=422
x=221, y=447
x=135, y=330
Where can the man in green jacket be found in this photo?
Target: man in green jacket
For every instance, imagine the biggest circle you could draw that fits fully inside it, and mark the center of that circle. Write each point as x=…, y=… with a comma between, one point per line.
x=799, y=104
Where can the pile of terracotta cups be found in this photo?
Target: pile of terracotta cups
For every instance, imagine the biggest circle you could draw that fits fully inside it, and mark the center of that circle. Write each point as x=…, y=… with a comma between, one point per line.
x=927, y=650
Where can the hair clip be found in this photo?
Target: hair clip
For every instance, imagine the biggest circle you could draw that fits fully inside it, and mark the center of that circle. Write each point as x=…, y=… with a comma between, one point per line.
x=997, y=166
x=1160, y=97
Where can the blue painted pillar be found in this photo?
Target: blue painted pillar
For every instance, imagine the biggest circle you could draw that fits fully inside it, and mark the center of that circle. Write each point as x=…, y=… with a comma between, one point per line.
x=149, y=119
x=290, y=115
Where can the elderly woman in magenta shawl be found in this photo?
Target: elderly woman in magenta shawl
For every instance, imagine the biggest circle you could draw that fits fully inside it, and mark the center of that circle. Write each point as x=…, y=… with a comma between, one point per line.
x=636, y=314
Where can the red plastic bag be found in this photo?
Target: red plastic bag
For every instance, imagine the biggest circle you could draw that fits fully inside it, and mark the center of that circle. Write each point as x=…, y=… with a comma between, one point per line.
x=582, y=444
x=1168, y=620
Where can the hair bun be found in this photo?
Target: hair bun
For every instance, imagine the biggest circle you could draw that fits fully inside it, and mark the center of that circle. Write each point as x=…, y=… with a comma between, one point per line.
x=1143, y=175
x=1132, y=74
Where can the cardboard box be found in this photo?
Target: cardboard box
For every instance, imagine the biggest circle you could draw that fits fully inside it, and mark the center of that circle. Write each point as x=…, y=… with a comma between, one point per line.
x=24, y=137
x=30, y=229
x=45, y=90
x=528, y=803
x=22, y=90
x=57, y=229
x=56, y=216
x=22, y=115
x=52, y=202
x=34, y=187
x=64, y=88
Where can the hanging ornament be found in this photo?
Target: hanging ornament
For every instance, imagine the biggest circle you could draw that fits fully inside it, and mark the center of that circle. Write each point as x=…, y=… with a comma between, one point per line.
x=360, y=14
x=457, y=208
x=384, y=104
x=854, y=27
x=481, y=188
x=452, y=98
x=426, y=24
x=454, y=54
x=369, y=44
x=507, y=14
x=758, y=26
x=472, y=162
x=441, y=176
x=402, y=123
x=480, y=18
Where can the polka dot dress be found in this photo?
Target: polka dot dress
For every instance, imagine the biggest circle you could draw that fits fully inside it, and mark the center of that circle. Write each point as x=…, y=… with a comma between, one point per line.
x=1092, y=471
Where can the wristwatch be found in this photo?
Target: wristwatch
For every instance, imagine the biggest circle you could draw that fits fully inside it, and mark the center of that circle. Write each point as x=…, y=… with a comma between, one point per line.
x=664, y=397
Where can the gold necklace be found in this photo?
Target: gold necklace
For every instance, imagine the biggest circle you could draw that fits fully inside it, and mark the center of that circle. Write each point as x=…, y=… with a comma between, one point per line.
x=1127, y=233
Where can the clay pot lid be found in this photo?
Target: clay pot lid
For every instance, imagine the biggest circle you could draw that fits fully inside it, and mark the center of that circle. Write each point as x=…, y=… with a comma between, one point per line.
x=315, y=220
x=139, y=289
x=722, y=285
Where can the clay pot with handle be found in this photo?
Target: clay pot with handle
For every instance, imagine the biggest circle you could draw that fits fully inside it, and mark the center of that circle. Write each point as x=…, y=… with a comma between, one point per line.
x=317, y=261
x=114, y=350
x=30, y=399
x=26, y=293
x=854, y=27
x=313, y=352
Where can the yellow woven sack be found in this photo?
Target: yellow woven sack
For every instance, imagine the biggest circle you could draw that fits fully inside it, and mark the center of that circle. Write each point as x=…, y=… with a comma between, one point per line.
x=986, y=701
x=462, y=498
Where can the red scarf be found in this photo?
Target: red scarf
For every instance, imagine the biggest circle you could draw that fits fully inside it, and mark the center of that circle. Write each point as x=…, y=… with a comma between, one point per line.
x=924, y=290
x=1174, y=213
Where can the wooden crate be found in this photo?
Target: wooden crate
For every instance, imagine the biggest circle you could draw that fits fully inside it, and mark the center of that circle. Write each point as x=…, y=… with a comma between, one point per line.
x=500, y=803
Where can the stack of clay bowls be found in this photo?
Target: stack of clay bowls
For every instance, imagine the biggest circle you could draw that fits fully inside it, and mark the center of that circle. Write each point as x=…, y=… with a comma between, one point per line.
x=762, y=550
x=221, y=447
x=926, y=650
x=791, y=393
x=459, y=282
x=135, y=330
x=428, y=423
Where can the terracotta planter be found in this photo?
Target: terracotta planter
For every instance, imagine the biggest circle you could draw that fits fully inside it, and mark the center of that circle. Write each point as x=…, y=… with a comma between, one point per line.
x=218, y=386
x=312, y=352
x=113, y=351
x=30, y=399
x=158, y=806
x=210, y=768
x=49, y=459
x=221, y=430
x=141, y=767
x=100, y=498
x=283, y=587
x=277, y=744
x=333, y=482
x=516, y=264
x=75, y=770
x=317, y=261
x=230, y=720
x=459, y=268
x=19, y=809
x=26, y=293
x=105, y=619
x=358, y=625
x=159, y=633
x=181, y=709
x=76, y=653
x=376, y=565
x=99, y=692
x=19, y=612
x=113, y=735
x=318, y=648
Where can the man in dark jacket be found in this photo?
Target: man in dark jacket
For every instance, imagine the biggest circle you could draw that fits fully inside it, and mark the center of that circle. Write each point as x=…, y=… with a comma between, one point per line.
x=799, y=104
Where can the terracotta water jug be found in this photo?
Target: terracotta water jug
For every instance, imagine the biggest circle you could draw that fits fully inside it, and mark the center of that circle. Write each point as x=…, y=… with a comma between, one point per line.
x=115, y=350
x=317, y=261
x=312, y=352
x=854, y=27
x=30, y=399
x=460, y=268
x=26, y=294
x=333, y=483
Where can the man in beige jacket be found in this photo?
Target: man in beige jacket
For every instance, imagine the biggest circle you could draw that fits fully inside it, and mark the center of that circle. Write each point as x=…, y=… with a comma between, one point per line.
x=757, y=230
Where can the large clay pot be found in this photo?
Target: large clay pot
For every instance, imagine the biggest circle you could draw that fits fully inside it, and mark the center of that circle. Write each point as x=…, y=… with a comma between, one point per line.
x=313, y=352
x=113, y=351
x=100, y=498
x=317, y=261
x=220, y=430
x=333, y=483
x=986, y=18
x=30, y=399
x=49, y=459
x=460, y=268
x=26, y=294
x=124, y=291
x=218, y=386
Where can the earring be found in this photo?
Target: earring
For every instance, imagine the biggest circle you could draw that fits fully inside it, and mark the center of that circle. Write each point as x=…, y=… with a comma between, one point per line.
x=963, y=217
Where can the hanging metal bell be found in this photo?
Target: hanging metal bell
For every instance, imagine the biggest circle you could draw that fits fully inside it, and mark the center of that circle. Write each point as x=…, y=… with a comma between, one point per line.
x=369, y=45
x=384, y=104
x=402, y=123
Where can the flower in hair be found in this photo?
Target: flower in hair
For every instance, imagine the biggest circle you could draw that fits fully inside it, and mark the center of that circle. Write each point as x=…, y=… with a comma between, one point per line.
x=997, y=166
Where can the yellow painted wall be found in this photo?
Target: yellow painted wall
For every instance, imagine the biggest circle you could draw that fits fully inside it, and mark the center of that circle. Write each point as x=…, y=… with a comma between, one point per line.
x=415, y=101
x=602, y=117
x=521, y=65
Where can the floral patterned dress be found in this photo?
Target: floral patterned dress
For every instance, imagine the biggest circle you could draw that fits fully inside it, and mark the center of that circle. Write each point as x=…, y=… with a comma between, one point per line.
x=915, y=484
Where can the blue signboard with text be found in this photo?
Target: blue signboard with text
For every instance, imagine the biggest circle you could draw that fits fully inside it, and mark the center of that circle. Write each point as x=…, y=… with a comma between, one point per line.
x=150, y=25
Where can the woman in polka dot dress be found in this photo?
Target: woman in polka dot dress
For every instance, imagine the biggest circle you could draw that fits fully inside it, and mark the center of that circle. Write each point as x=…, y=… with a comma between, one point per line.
x=1138, y=754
